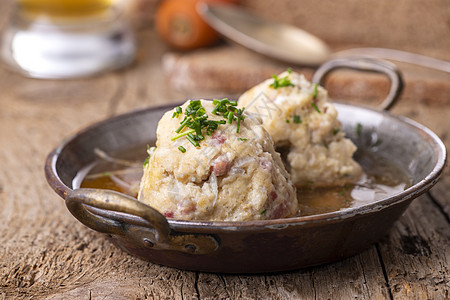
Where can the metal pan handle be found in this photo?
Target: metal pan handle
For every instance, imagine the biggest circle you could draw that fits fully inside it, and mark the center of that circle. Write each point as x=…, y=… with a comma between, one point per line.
x=159, y=236
x=370, y=65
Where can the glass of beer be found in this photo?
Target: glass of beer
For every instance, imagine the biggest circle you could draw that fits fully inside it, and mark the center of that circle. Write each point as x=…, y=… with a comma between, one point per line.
x=67, y=38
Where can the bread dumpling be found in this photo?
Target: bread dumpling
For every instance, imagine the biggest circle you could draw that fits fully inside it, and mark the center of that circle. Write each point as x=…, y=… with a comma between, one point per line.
x=304, y=127
x=234, y=174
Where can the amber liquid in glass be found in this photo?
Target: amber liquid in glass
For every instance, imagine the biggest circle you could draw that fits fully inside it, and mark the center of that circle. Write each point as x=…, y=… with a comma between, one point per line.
x=65, y=8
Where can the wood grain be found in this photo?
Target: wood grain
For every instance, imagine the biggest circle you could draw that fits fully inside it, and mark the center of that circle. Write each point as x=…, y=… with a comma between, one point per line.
x=46, y=254
x=416, y=253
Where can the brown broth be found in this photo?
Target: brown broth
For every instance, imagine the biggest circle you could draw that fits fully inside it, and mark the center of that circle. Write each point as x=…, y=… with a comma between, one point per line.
x=381, y=179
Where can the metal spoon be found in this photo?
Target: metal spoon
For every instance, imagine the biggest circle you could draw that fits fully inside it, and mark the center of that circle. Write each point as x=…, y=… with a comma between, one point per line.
x=283, y=42
x=291, y=44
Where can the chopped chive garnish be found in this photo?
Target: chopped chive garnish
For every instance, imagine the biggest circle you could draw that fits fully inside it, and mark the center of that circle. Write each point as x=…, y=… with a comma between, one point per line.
x=335, y=131
x=315, y=107
x=182, y=149
x=240, y=117
x=182, y=125
x=190, y=138
x=288, y=121
x=177, y=112
x=315, y=90
x=264, y=211
x=197, y=121
x=221, y=105
x=148, y=157
x=230, y=117
x=182, y=134
x=242, y=139
x=280, y=82
x=358, y=129
x=297, y=119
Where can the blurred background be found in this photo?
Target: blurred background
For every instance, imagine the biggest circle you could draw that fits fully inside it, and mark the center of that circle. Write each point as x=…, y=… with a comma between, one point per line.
x=186, y=58
x=408, y=25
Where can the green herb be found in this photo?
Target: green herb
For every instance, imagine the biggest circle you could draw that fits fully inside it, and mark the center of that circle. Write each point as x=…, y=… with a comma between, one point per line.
x=230, y=116
x=184, y=133
x=242, y=139
x=335, y=131
x=229, y=111
x=324, y=144
x=197, y=121
x=289, y=70
x=315, y=107
x=191, y=138
x=314, y=104
x=240, y=117
x=297, y=119
x=288, y=121
x=358, y=129
x=280, y=82
x=315, y=90
x=223, y=105
x=195, y=108
x=264, y=211
x=177, y=112
x=212, y=126
x=182, y=149
x=148, y=157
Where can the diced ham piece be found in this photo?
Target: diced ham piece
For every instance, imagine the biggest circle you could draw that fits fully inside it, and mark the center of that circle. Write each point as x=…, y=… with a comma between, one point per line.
x=218, y=139
x=168, y=214
x=273, y=196
x=220, y=166
x=280, y=210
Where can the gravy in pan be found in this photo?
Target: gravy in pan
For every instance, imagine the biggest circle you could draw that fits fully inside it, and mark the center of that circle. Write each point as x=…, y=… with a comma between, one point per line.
x=381, y=179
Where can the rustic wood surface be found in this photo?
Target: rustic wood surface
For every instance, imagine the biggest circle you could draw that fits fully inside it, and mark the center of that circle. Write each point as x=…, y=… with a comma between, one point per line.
x=46, y=254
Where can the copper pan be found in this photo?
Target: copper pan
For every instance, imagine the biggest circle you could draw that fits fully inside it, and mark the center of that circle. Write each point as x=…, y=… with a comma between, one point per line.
x=257, y=246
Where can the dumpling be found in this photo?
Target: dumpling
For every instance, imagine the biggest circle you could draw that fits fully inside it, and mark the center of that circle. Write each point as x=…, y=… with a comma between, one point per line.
x=233, y=174
x=304, y=127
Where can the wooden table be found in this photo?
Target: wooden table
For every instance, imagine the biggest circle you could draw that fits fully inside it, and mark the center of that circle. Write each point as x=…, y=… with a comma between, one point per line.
x=46, y=254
